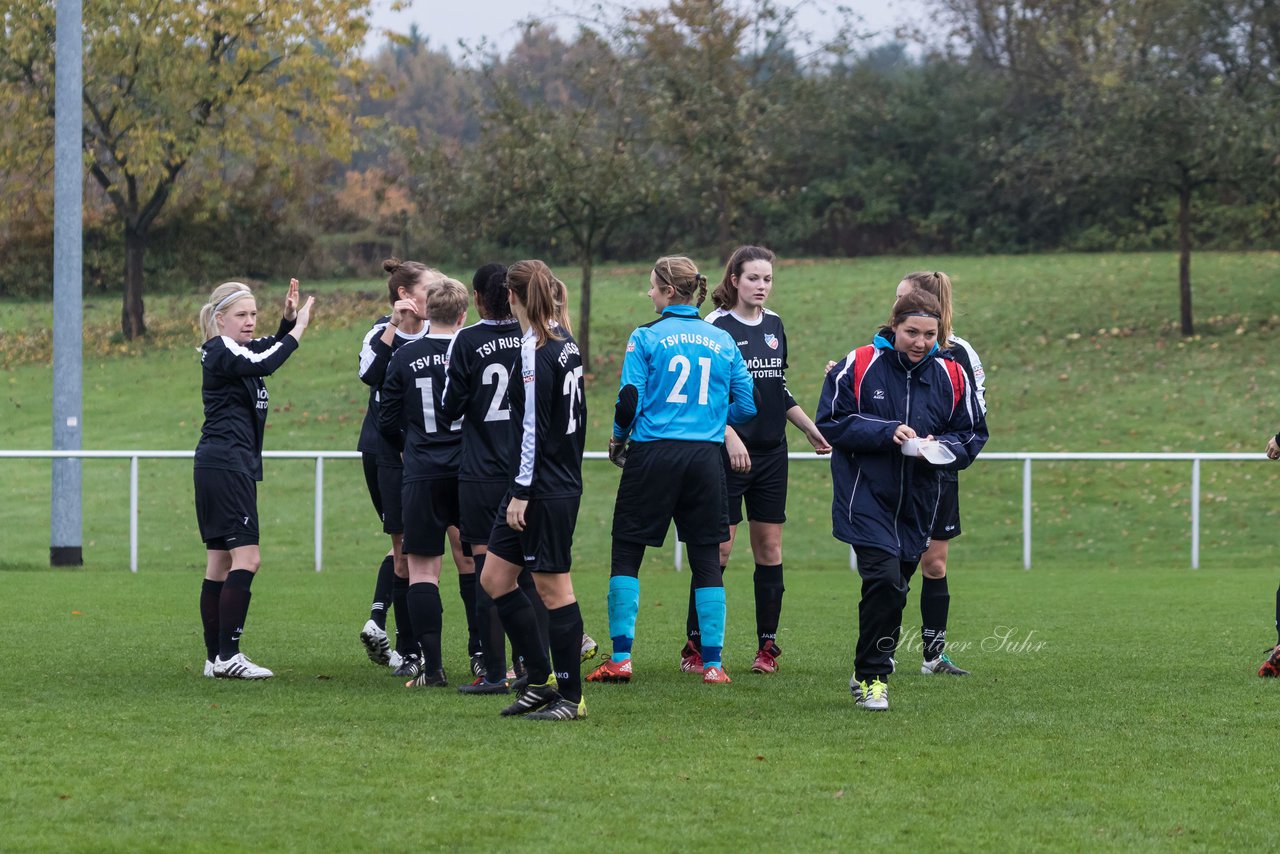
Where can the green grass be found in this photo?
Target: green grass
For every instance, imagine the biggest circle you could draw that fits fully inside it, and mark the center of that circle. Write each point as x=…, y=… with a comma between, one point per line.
x=1138, y=724
x=1121, y=712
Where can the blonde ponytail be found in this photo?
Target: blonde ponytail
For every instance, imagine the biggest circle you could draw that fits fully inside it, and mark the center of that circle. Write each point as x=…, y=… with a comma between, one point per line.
x=223, y=297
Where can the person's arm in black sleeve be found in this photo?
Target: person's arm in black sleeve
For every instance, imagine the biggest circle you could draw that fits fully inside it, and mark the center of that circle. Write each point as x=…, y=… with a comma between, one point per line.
x=391, y=407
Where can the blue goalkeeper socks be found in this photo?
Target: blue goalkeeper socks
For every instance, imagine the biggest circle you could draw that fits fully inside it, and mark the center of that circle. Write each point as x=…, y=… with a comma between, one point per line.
x=710, y=603
x=624, y=606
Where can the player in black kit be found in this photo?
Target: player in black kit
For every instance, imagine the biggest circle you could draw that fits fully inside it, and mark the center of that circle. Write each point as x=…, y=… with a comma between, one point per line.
x=410, y=416
x=407, y=284
x=481, y=359
x=755, y=454
x=228, y=461
x=538, y=515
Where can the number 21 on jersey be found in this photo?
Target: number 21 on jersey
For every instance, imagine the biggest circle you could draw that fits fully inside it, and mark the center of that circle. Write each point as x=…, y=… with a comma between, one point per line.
x=681, y=365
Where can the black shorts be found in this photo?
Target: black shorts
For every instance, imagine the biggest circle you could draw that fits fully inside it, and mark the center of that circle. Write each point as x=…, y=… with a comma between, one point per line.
x=764, y=487
x=672, y=479
x=946, y=522
x=226, y=509
x=389, y=487
x=370, y=463
x=478, y=502
x=430, y=509
x=546, y=543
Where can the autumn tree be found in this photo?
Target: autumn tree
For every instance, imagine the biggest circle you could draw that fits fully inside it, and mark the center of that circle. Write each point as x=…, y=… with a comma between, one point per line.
x=564, y=156
x=171, y=83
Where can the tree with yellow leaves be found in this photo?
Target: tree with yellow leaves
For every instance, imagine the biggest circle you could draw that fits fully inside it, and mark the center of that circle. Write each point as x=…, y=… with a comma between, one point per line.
x=172, y=83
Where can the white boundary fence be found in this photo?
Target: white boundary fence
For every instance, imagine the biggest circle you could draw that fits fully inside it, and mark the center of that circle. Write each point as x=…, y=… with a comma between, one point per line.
x=1027, y=458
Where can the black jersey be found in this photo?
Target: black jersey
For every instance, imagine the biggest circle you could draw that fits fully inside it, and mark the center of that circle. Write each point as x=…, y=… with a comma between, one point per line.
x=763, y=345
x=548, y=402
x=481, y=360
x=235, y=399
x=374, y=357
x=409, y=415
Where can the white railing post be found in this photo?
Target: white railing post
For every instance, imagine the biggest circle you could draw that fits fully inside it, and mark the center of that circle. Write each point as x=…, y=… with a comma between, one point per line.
x=1026, y=513
x=1195, y=513
x=133, y=514
x=679, y=555
x=319, y=512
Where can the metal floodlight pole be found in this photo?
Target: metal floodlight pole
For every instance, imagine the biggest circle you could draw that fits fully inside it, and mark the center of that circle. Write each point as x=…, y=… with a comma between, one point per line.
x=65, y=540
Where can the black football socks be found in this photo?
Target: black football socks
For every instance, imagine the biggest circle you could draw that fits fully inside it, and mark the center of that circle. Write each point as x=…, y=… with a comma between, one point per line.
x=769, y=590
x=566, y=650
x=233, y=608
x=935, y=602
x=425, y=615
x=210, y=594
x=382, y=592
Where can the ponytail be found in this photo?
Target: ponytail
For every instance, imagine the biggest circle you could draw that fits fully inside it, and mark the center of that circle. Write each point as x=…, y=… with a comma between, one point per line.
x=544, y=297
x=938, y=286
x=681, y=275
x=223, y=297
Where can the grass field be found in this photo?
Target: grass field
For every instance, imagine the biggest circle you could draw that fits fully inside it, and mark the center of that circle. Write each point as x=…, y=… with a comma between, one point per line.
x=1112, y=704
x=1111, y=709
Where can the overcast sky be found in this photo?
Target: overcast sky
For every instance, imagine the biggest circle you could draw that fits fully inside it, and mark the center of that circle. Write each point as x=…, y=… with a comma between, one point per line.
x=444, y=22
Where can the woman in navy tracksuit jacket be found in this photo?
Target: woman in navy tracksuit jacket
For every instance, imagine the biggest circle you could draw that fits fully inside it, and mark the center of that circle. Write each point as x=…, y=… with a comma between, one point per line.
x=898, y=388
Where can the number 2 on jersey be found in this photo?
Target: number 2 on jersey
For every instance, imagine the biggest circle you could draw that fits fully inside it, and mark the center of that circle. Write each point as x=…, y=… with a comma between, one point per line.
x=496, y=375
x=681, y=364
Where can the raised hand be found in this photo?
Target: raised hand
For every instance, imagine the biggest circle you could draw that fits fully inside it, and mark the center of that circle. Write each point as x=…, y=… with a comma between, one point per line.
x=291, y=301
x=304, y=313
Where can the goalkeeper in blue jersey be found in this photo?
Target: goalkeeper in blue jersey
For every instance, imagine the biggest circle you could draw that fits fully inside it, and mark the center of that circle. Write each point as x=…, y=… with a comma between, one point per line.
x=682, y=379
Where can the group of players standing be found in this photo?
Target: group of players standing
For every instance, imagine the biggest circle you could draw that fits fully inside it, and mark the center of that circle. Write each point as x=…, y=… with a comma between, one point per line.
x=474, y=436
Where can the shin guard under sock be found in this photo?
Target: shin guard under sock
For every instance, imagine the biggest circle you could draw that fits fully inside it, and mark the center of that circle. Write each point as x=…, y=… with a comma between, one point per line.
x=525, y=580
x=516, y=612
x=233, y=608
x=210, y=594
x=566, y=650
x=624, y=607
x=493, y=642
x=769, y=590
x=711, y=617
x=467, y=590
x=382, y=592
x=935, y=602
x=405, y=643
x=426, y=618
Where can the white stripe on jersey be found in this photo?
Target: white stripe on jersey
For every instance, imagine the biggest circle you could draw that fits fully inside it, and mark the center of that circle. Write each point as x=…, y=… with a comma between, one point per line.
x=366, y=346
x=242, y=352
x=366, y=351
x=979, y=375
x=529, y=424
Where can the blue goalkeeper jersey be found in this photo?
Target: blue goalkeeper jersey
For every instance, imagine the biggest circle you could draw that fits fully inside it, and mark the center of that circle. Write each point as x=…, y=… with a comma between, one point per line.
x=682, y=378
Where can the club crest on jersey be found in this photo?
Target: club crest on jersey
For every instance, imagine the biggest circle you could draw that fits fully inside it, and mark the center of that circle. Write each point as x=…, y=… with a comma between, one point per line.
x=771, y=340
x=631, y=346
